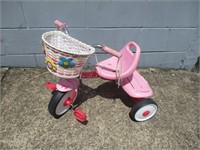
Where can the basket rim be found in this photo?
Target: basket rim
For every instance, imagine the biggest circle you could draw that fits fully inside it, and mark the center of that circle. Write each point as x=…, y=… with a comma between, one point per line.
x=50, y=32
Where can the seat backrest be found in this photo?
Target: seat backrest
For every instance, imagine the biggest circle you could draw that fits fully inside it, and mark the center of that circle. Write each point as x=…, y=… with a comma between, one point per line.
x=129, y=59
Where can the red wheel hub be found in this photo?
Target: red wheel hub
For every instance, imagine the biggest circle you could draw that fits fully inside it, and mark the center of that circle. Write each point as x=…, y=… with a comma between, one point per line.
x=68, y=102
x=146, y=113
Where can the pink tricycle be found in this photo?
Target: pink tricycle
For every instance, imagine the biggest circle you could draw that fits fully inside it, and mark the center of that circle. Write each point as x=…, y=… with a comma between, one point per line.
x=65, y=57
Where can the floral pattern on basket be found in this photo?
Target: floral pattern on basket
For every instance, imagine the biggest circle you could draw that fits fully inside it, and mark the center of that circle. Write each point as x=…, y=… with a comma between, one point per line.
x=66, y=62
x=50, y=63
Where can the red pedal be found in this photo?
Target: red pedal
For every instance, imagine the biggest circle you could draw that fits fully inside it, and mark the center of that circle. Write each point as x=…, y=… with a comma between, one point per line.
x=50, y=86
x=80, y=115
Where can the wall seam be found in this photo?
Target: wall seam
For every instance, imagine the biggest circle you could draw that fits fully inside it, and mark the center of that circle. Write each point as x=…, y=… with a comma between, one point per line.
x=20, y=2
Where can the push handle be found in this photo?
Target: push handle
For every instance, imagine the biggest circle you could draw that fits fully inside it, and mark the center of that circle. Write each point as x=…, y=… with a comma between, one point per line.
x=107, y=49
x=111, y=51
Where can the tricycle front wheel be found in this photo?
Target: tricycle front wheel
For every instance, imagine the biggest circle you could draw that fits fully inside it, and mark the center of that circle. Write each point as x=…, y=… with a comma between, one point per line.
x=143, y=110
x=61, y=102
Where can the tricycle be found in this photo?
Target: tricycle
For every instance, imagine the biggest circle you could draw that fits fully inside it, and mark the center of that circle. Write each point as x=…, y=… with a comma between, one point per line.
x=65, y=57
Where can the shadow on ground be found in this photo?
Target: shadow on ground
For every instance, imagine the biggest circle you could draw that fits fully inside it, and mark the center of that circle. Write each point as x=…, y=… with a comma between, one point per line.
x=108, y=90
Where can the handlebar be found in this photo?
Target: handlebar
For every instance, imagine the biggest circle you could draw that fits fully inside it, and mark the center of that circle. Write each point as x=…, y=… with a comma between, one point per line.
x=61, y=26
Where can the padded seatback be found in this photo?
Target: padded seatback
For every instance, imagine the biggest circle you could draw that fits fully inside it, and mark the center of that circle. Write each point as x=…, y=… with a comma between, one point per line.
x=129, y=59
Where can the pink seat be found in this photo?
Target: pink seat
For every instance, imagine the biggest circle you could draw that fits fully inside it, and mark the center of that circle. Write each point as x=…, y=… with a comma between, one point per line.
x=129, y=61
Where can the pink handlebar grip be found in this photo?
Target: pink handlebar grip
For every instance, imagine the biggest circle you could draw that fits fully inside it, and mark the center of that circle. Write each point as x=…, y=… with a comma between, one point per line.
x=111, y=51
x=60, y=25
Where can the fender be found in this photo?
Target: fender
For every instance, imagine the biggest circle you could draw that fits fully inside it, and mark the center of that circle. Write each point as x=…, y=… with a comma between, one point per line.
x=65, y=85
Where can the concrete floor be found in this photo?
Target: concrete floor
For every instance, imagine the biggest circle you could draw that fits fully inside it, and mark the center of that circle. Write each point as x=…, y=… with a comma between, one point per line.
x=26, y=123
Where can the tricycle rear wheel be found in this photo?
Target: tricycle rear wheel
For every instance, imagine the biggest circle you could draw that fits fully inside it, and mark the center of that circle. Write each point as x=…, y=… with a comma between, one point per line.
x=144, y=110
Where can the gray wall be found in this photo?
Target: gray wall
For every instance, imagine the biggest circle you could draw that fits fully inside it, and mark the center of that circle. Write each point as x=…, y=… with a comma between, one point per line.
x=166, y=30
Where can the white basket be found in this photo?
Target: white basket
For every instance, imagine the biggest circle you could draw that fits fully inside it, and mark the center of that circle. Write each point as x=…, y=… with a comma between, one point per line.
x=65, y=56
